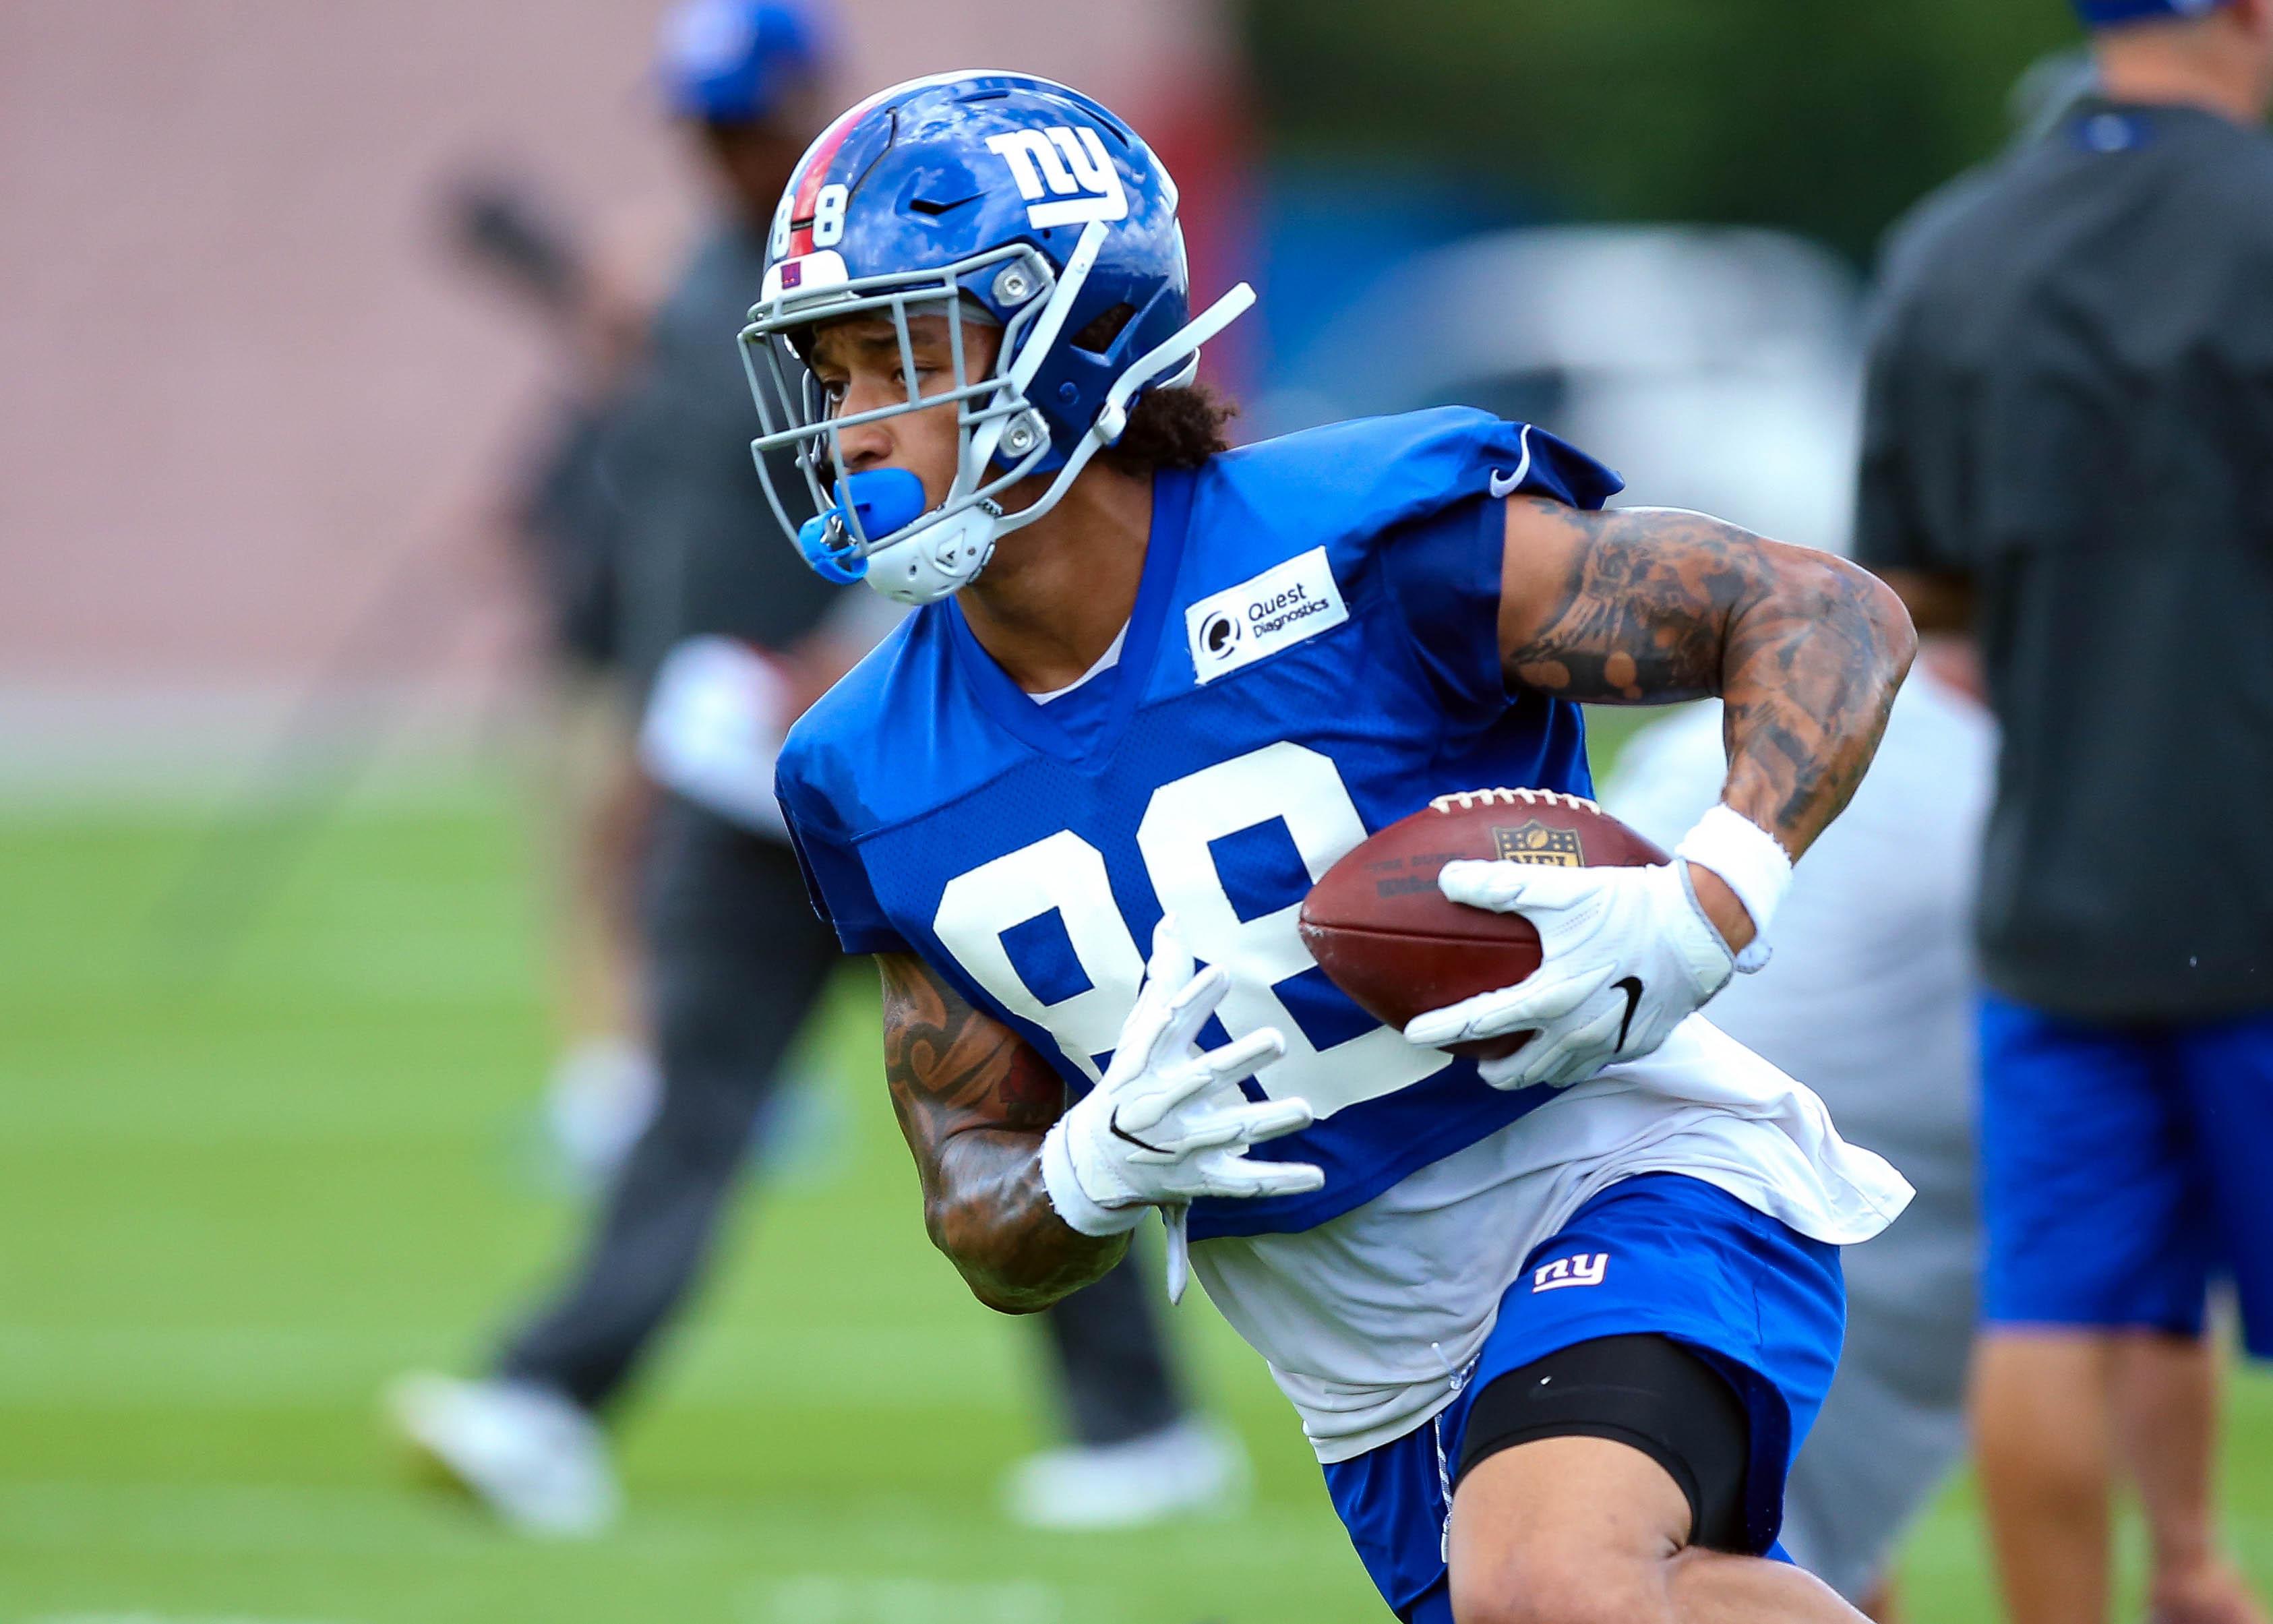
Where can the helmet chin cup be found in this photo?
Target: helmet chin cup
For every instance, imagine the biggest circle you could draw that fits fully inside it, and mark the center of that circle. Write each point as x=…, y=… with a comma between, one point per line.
x=935, y=560
x=879, y=533
x=878, y=502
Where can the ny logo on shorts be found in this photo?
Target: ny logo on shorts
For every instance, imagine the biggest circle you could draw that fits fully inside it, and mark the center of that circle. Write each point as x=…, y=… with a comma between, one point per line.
x=1579, y=1270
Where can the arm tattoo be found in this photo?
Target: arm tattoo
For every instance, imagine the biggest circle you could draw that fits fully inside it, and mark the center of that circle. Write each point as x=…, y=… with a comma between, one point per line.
x=1651, y=605
x=974, y=1101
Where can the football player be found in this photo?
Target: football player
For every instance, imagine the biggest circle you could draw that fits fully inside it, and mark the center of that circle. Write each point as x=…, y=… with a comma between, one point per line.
x=1555, y=1323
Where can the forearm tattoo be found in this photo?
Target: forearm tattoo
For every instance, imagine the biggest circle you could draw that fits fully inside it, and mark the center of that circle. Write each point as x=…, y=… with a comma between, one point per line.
x=974, y=1101
x=1805, y=651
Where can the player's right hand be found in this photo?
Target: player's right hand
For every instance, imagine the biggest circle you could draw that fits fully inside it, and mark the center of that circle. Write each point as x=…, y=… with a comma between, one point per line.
x=1168, y=1123
x=1627, y=955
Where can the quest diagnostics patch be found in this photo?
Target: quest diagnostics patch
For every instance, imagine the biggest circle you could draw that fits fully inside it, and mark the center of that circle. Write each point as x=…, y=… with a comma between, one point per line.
x=1273, y=611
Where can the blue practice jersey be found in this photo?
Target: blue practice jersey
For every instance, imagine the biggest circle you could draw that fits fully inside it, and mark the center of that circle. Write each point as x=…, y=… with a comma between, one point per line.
x=1313, y=655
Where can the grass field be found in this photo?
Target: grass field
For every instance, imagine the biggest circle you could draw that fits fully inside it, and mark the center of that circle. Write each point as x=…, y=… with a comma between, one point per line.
x=236, y=1196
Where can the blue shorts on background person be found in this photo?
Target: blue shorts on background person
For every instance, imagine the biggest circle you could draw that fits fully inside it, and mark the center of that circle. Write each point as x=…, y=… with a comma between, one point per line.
x=2123, y=1170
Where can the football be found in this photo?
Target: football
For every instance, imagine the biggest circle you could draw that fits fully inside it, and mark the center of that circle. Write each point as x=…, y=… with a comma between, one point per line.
x=1385, y=934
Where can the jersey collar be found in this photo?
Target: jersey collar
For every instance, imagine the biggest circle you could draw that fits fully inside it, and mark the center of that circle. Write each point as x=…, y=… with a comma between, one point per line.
x=1014, y=710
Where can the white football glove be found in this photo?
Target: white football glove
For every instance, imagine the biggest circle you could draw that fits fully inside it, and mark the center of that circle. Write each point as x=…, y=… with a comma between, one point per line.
x=1626, y=955
x=1168, y=1123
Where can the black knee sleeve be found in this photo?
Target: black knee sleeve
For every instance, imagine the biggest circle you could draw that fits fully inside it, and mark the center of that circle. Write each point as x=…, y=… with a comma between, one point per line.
x=1648, y=1392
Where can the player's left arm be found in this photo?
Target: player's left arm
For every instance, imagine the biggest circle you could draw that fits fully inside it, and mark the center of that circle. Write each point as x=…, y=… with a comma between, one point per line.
x=1650, y=605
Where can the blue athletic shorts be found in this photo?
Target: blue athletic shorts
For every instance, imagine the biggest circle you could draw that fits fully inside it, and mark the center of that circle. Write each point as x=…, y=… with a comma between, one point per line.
x=2124, y=1168
x=1660, y=1254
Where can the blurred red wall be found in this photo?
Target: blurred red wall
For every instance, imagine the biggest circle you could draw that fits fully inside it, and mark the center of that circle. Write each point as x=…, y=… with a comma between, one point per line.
x=243, y=375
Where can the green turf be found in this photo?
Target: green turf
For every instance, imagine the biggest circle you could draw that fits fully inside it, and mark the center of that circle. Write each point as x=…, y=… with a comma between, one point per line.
x=239, y=1189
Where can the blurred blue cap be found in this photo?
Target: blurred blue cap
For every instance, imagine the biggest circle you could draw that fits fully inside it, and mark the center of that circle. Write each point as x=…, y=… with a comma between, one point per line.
x=2104, y=13
x=732, y=61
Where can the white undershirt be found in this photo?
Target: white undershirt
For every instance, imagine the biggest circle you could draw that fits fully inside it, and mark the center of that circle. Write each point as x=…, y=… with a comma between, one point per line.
x=1368, y=1319
x=1106, y=662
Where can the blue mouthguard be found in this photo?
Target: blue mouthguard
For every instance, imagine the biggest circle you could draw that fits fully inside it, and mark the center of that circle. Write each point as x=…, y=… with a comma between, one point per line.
x=882, y=501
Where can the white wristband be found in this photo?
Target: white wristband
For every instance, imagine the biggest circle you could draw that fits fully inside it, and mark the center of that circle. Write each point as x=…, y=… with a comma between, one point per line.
x=1751, y=863
x=1073, y=1202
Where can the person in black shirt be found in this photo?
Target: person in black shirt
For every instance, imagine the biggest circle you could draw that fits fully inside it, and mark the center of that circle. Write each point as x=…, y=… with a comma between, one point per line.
x=2069, y=452
x=725, y=636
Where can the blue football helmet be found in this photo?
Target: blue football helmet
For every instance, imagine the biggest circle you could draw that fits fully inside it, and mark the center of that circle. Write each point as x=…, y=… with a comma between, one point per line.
x=985, y=197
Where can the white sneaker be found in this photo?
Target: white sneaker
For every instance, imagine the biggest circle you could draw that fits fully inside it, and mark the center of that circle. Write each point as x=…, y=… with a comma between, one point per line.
x=1186, y=1467
x=529, y=1456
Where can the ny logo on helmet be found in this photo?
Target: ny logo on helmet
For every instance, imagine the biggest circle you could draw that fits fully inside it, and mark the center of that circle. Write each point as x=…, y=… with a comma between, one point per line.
x=1070, y=167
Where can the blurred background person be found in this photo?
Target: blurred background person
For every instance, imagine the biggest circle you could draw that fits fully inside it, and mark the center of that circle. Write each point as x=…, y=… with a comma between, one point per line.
x=589, y=798
x=725, y=637
x=1869, y=999
x=2069, y=452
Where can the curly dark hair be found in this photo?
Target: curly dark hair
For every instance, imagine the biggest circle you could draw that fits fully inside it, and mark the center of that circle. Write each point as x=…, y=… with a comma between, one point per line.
x=1173, y=428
